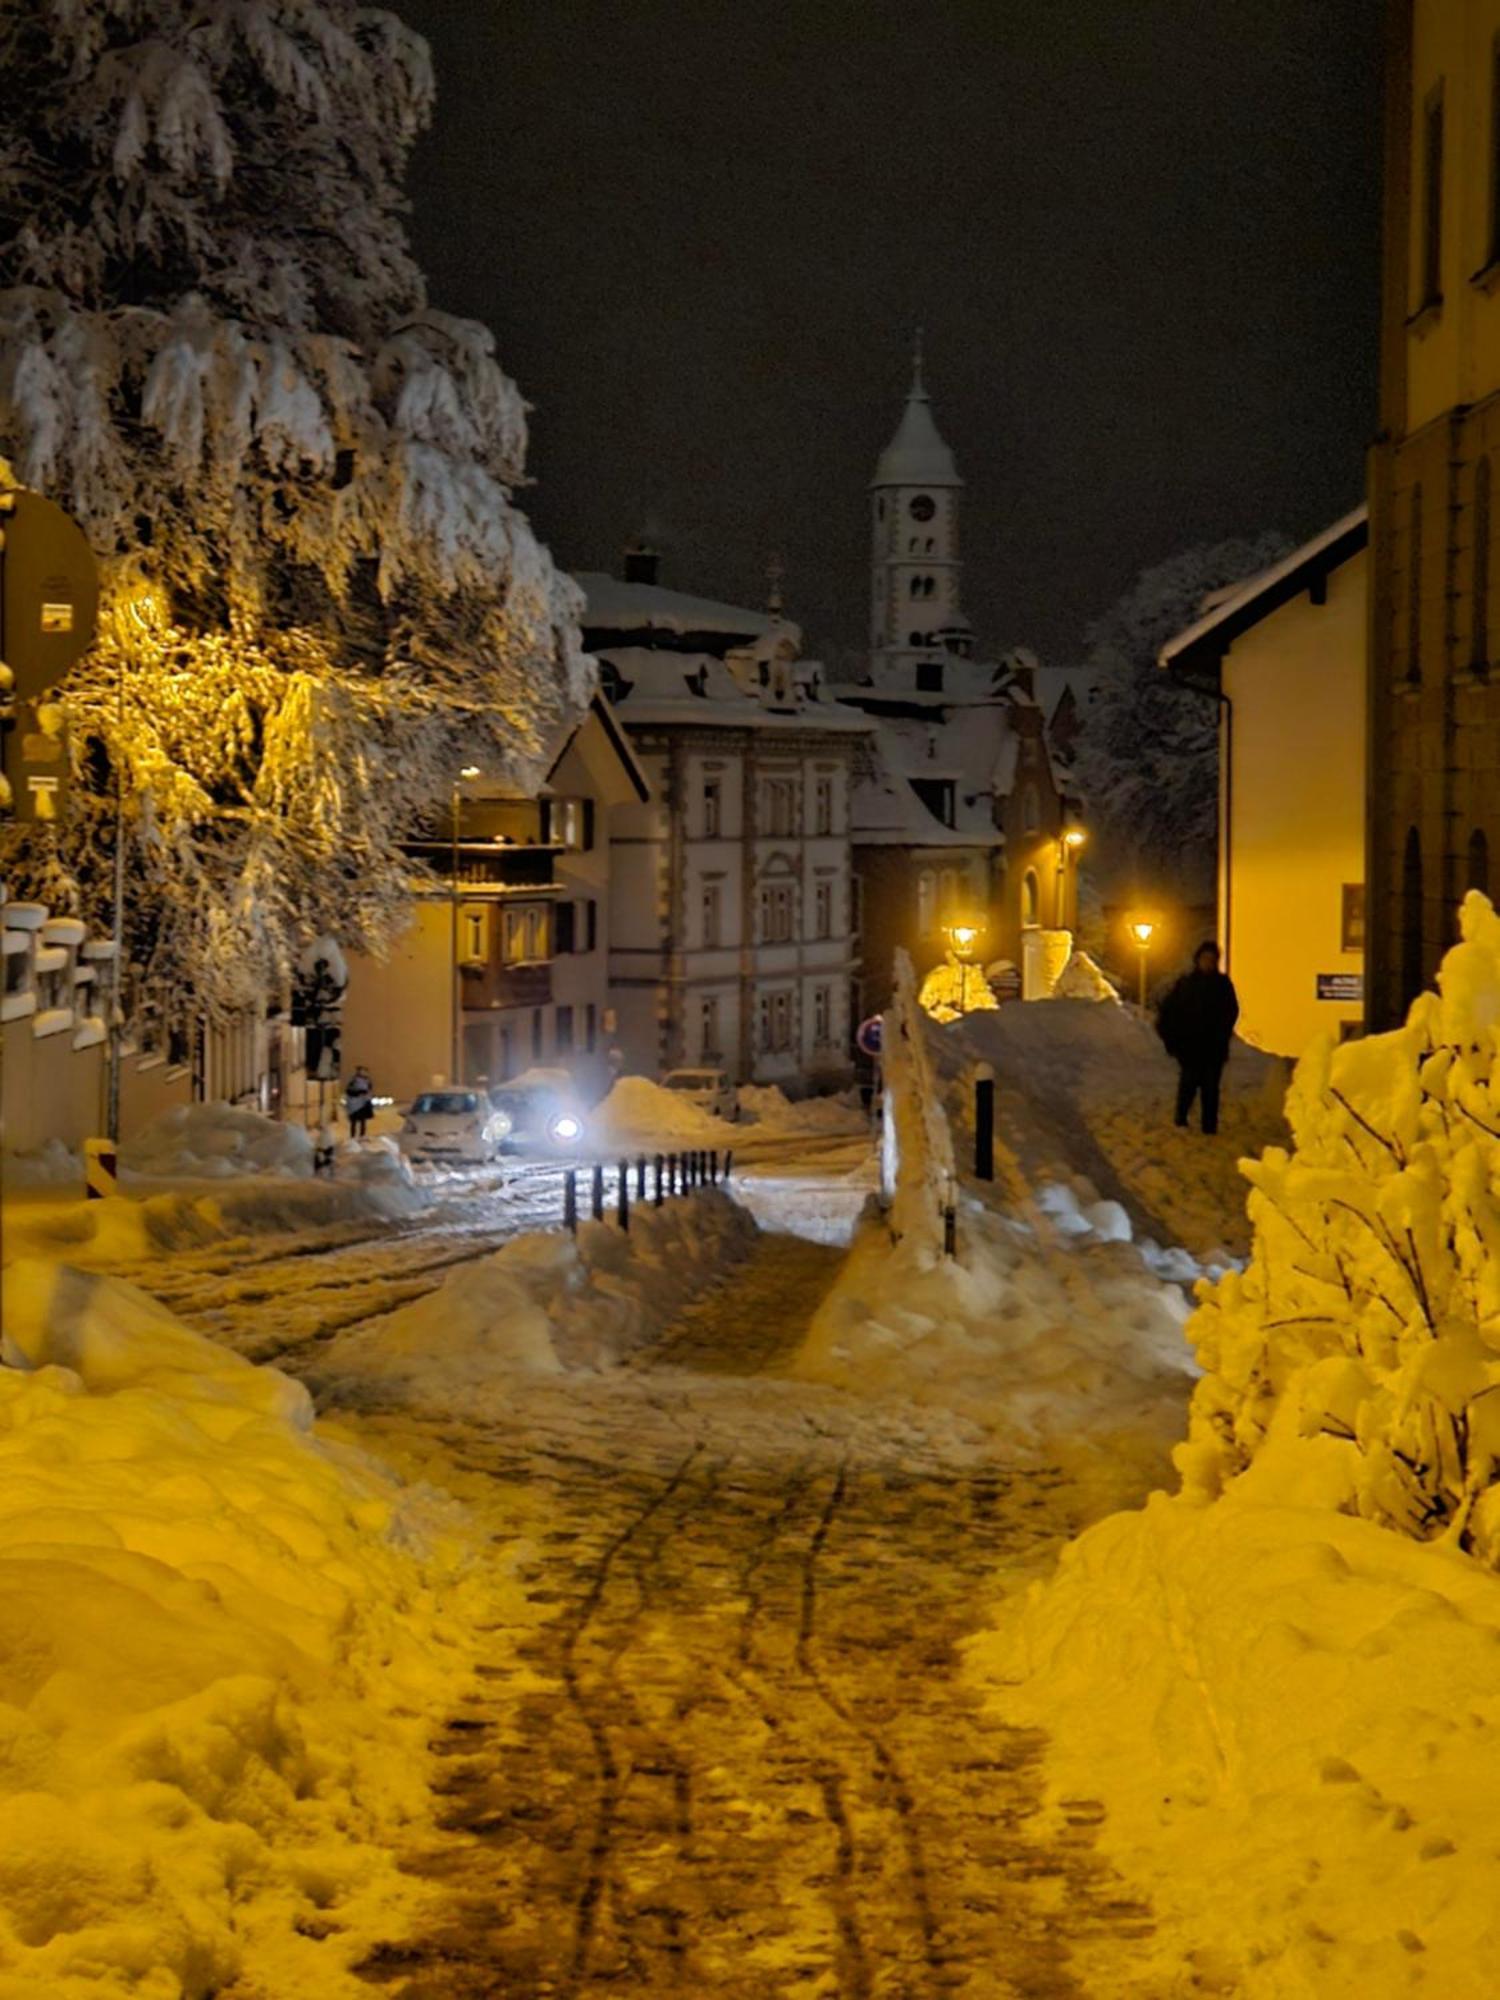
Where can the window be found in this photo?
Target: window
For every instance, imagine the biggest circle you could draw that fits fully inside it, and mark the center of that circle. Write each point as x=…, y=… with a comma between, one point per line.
x=776, y=913
x=591, y=1027
x=929, y=676
x=1352, y=917
x=937, y=795
x=562, y=1034
x=1031, y=900
x=822, y=1016
x=1414, y=587
x=563, y=928
x=1480, y=650
x=474, y=937
x=593, y=924
x=779, y=808
x=708, y=1029
x=1432, y=200
x=1479, y=861
x=926, y=902
x=822, y=909
x=915, y=639
x=776, y=1022
x=711, y=915
x=712, y=813
x=1411, y=918
x=524, y=935
x=823, y=806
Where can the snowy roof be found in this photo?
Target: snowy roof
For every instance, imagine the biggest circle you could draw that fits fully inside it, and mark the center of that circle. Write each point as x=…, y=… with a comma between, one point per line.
x=612, y=605
x=1258, y=596
x=916, y=455
x=699, y=689
x=885, y=808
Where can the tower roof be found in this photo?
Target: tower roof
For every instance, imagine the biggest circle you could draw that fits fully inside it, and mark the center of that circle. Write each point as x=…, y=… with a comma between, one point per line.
x=916, y=455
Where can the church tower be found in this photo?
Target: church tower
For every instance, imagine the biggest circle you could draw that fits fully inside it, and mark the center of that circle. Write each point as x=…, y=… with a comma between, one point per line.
x=914, y=496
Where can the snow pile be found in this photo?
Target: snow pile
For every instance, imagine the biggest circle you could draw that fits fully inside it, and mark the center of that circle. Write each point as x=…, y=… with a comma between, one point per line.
x=213, y=1141
x=51, y=1164
x=1067, y=1351
x=1081, y=979
x=1292, y=1719
x=639, y=1116
x=954, y=988
x=373, y=1163
x=222, y=1641
x=773, y=1111
x=1370, y=1311
x=542, y=1304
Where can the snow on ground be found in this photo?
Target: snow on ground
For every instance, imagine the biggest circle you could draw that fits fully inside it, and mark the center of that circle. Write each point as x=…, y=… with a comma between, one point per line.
x=1282, y=1684
x=222, y=1639
x=1084, y=1098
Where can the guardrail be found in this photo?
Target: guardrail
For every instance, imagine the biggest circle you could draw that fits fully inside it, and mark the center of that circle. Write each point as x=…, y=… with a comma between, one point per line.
x=671, y=1174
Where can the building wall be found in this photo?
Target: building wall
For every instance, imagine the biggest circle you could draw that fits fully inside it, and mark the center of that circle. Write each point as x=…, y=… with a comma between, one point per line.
x=1434, y=605
x=907, y=897
x=1295, y=834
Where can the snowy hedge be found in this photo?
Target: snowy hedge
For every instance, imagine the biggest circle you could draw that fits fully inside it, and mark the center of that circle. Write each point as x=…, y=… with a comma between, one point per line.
x=1370, y=1309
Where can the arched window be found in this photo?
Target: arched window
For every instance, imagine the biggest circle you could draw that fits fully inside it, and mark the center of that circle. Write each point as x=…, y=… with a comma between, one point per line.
x=926, y=902
x=1411, y=918
x=1414, y=587
x=1481, y=646
x=1031, y=898
x=1479, y=860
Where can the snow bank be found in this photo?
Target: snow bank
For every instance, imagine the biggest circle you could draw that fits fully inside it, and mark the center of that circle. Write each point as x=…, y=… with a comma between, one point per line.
x=222, y=1641
x=772, y=1110
x=639, y=1116
x=1081, y=979
x=51, y=1164
x=1070, y=1354
x=207, y=1141
x=1292, y=1719
x=542, y=1304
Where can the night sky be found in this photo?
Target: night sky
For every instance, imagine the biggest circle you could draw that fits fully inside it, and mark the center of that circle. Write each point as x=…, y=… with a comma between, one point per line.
x=1142, y=240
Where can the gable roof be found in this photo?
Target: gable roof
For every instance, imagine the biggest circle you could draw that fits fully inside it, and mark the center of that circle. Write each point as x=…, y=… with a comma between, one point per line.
x=1205, y=642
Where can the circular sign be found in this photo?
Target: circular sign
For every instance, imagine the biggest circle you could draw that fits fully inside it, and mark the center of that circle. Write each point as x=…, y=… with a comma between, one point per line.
x=869, y=1036
x=50, y=588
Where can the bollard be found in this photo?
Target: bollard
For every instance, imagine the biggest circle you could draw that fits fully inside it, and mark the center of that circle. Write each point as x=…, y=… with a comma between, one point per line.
x=100, y=1164
x=657, y=1166
x=640, y=1177
x=713, y=1167
x=624, y=1196
x=597, y=1191
x=984, y=1123
x=671, y=1173
x=728, y=1163
x=689, y=1171
x=570, y=1201
x=950, y=1231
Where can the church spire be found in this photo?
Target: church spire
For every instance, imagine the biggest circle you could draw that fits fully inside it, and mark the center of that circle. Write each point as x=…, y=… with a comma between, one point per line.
x=918, y=392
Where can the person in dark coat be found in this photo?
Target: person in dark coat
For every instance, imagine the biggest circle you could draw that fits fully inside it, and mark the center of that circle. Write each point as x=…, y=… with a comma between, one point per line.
x=1195, y=1021
x=359, y=1102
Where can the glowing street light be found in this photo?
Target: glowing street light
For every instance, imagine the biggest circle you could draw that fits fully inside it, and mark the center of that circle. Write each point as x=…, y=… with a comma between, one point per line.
x=963, y=937
x=1143, y=929
x=1069, y=841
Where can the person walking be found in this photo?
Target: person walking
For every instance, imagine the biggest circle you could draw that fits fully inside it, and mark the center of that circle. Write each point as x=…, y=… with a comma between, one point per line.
x=1195, y=1021
x=359, y=1101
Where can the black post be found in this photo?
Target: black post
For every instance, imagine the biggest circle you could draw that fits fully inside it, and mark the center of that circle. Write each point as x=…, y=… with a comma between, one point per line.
x=598, y=1191
x=713, y=1166
x=657, y=1165
x=671, y=1173
x=950, y=1231
x=640, y=1177
x=984, y=1123
x=728, y=1163
x=570, y=1200
x=689, y=1170
x=624, y=1201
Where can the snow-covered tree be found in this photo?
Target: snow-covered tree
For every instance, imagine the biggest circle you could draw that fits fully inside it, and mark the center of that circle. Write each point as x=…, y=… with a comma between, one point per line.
x=1369, y=1314
x=320, y=599
x=1147, y=754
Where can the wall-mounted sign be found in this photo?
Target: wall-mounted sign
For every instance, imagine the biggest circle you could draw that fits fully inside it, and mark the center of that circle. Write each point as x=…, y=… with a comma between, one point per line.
x=1346, y=986
x=49, y=591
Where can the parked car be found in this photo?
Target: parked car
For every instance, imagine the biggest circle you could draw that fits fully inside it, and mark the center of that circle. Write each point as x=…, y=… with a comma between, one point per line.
x=454, y=1125
x=710, y=1089
x=539, y=1112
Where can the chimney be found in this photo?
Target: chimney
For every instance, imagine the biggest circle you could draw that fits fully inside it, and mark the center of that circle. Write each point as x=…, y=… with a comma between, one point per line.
x=642, y=562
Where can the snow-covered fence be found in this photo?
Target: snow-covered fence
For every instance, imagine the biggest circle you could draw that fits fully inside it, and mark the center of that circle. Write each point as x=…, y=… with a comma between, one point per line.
x=917, y=1177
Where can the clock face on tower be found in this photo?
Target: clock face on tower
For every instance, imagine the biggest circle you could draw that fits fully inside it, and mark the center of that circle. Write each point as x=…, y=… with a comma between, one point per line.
x=923, y=507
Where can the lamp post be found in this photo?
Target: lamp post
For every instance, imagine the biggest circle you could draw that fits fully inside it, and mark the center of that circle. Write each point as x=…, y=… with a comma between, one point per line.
x=1069, y=841
x=1143, y=929
x=963, y=937
x=455, y=1026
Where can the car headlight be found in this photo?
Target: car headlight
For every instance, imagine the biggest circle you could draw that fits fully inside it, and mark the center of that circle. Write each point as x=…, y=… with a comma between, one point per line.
x=565, y=1128
x=500, y=1125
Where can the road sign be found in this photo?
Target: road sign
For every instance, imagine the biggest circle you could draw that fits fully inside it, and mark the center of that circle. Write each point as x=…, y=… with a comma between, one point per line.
x=869, y=1036
x=35, y=762
x=49, y=591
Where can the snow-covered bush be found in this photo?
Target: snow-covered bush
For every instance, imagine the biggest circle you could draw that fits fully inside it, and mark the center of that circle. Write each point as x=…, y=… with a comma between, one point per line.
x=319, y=599
x=1370, y=1309
x=1081, y=979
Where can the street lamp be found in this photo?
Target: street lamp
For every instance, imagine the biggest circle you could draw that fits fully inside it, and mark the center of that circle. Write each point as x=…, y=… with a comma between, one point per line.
x=455, y=1025
x=1143, y=929
x=964, y=938
x=1068, y=842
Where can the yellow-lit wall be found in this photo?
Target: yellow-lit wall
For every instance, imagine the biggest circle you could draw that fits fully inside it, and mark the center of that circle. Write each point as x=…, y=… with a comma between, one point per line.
x=398, y=1018
x=1453, y=351
x=1296, y=681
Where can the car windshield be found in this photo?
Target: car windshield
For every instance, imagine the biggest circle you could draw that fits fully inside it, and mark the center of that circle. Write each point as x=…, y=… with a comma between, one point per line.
x=692, y=1079
x=446, y=1103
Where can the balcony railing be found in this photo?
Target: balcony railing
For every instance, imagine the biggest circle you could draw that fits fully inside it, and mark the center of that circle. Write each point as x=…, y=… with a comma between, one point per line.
x=482, y=864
